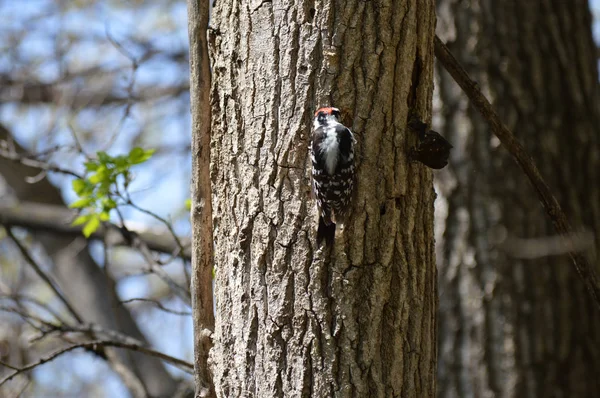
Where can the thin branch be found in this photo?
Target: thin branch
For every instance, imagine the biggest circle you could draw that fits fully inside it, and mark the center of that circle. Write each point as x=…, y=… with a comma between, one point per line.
x=47, y=328
x=153, y=266
x=163, y=221
x=525, y=161
x=8, y=151
x=46, y=278
x=33, y=365
x=94, y=345
x=57, y=219
x=129, y=378
x=101, y=334
x=157, y=304
x=33, y=92
x=132, y=80
x=18, y=298
x=28, y=318
x=49, y=194
x=180, y=291
x=93, y=331
x=35, y=321
x=6, y=365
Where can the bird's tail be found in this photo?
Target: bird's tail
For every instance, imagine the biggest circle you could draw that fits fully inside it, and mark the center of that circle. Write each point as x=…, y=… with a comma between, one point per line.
x=325, y=232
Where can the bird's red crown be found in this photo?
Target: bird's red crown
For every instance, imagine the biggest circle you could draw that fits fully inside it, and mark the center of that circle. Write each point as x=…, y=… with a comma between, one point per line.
x=327, y=110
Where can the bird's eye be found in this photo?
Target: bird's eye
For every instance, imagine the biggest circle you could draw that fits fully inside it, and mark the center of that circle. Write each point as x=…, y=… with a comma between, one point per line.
x=336, y=113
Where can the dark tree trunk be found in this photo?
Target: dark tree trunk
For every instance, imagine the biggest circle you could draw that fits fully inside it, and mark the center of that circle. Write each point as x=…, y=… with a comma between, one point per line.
x=515, y=322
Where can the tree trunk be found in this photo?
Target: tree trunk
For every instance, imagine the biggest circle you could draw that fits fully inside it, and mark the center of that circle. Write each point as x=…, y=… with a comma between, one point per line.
x=293, y=320
x=201, y=214
x=515, y=322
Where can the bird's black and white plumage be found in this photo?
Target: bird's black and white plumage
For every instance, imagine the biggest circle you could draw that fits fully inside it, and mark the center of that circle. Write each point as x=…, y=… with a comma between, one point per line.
x=332, y=155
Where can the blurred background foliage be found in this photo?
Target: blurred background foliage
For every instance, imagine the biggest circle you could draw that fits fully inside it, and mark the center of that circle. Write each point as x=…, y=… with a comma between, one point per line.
x=78, y=77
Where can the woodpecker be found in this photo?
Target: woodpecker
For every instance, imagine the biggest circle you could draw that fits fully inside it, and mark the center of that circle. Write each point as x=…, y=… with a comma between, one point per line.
x=332, y=155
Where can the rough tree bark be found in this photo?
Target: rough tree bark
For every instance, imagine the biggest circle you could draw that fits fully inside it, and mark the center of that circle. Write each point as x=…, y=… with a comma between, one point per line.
x=202, y=241
x=512, y=326
x=292, y=320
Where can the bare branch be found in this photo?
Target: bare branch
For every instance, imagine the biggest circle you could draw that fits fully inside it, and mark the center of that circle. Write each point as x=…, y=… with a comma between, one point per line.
x=166, y=223
x=525, y=161
x=47, y=329
x=46, y=278
x=104, y=338
x=547, y=245
x=126, y=236
x=28, y=92
x=94, y=345
x=157, y=304
x=57, y=219
x=19, y=298
x=154, y=267
x=169, y=226
x=92, y=330
x=8, y=151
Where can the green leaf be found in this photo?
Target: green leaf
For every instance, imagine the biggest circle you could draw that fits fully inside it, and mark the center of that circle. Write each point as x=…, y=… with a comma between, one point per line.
x=91, y=166
x=126, y=178
x=103, y=173
x=108, y=204
x=80, y=220
x=82, y=187
x=91, y=226
x=121, y=164
x=188, y=204
x=81, y=203
x=104, y=188
x=94, y=178
x=138, y=155
x=104, y=216
x=104, y=158
x=121, y=161
x=79, y=186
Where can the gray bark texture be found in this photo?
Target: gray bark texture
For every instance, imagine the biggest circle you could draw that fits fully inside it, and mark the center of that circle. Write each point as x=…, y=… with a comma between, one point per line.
x=201, y=214
x=513, y=321
x=293, y=320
